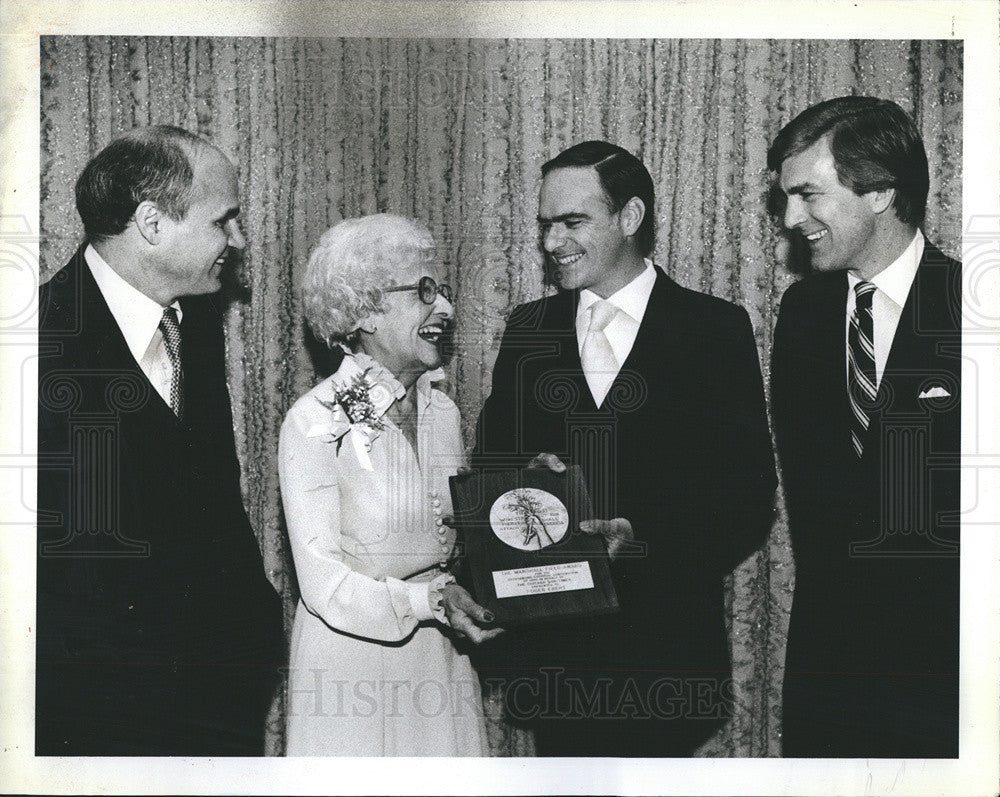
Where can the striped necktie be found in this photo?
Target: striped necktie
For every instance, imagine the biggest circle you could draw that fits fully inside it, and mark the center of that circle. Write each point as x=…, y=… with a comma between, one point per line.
x=172, y=338
x=861, y=381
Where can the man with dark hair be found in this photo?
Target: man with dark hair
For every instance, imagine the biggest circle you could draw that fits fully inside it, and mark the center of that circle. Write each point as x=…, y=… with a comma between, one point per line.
x=622, y=176
x=158, y=632
x=656, y=392
x=865, y=382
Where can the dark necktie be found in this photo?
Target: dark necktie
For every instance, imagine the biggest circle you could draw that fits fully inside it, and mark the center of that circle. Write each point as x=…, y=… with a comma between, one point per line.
x=861, y=380
x=172, y=338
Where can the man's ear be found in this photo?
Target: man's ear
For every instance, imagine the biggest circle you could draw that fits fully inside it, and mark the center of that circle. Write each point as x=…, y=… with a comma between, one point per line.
x=631, y=215
x=881, y=201
x=149, y=221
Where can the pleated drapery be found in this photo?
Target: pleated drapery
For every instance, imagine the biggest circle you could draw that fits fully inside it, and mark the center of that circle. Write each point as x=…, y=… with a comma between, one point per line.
x=453, y=132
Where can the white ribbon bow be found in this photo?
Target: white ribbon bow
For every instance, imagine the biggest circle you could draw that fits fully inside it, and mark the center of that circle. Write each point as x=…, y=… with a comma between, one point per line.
x=358, y=435
x=384, y=390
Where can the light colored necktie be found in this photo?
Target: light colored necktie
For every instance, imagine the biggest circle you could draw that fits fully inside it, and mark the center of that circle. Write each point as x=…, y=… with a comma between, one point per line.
x=597, y=358
x=861, y=379
x=172, y=339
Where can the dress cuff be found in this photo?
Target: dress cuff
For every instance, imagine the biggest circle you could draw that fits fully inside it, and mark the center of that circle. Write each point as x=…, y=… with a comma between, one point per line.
x=425, y=598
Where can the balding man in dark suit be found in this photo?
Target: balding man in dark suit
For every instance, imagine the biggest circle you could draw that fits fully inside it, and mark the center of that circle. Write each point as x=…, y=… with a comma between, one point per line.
x=158, y=632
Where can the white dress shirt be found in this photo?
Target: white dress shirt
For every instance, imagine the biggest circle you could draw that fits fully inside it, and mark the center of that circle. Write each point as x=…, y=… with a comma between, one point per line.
x=138, y=317
x=623, y=328
x=892, y=286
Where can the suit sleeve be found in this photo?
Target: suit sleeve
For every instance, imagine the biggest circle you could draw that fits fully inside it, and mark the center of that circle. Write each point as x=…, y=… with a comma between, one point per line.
x=783, y=396
x=779, y=368
x=718, y=505
x=497, y=438
x=745, y=519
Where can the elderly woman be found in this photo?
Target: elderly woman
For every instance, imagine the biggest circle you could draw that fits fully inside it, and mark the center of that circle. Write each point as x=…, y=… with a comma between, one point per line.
x=365, y=458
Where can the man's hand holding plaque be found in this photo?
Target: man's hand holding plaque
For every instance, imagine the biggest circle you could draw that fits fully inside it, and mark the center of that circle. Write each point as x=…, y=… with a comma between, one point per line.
x=531, y=545
x=617, y=532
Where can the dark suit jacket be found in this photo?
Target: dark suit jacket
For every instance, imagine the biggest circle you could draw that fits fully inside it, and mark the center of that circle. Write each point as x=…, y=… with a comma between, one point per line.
x=158, y=632
x=681, y=448
x=872, y=660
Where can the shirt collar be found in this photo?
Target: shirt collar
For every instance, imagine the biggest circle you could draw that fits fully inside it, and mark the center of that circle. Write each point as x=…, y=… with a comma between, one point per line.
x=358, y=362
x=137, y=315
x=896, y=278
x=631, y=299
x=426, y=381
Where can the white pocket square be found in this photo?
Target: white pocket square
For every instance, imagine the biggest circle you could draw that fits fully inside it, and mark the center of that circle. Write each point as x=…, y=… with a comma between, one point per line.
x=934, y=392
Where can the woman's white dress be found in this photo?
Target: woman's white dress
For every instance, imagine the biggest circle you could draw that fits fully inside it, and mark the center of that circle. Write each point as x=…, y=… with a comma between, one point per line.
x=372, y=672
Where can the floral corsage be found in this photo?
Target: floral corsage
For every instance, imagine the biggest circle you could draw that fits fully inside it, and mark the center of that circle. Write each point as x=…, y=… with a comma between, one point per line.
x=362, y=393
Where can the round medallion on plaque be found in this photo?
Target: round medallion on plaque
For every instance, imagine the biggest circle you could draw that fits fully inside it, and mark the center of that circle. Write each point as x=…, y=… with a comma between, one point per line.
x=529, y=519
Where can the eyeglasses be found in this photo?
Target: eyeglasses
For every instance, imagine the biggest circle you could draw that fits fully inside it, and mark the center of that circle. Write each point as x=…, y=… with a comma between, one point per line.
x=427, y=288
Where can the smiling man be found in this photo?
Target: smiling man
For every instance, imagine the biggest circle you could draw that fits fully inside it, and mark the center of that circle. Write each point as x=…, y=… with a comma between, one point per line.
x=158, y=632
x=655, y=391
x=866, y=374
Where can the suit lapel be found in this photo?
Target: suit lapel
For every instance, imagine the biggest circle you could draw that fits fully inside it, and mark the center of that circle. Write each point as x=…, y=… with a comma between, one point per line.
x=831, y=325
x=826, y=346
x=109, y=342
x=648, y=340
x=561, y=319
x=926, y=316
x=655, y=323
x=107, y=348
x=78, y=320
x=928, y=320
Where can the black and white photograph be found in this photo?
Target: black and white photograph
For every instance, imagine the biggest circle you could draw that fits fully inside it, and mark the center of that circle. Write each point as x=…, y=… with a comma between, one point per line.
x=289, y=288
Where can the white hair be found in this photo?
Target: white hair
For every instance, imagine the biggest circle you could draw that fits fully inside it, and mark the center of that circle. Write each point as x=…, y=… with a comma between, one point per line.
x=349, y=266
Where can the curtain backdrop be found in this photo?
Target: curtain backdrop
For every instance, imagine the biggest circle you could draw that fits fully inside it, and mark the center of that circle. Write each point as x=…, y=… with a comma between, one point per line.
x=453, y=132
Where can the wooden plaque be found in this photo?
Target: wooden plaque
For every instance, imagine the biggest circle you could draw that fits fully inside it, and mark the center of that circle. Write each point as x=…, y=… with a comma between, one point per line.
x=519, y=537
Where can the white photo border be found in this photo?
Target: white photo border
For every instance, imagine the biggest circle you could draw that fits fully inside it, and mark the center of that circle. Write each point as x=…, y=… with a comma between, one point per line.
x=975, y=22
